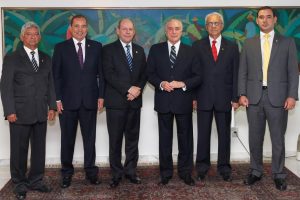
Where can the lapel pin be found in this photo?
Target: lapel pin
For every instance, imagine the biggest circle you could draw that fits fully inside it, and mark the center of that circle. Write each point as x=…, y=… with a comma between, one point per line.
x=136, y=51
x=222, y=49
x=88, y=45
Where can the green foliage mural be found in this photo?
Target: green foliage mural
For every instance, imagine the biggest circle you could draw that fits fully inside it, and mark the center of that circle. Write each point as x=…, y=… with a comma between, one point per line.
x=239, y=24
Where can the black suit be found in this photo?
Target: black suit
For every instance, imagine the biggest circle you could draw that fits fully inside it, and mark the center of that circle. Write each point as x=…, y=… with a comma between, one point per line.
x=218, y=89
x=177, y=103
x=123, y=116
x=78, y=89
x=29, y=95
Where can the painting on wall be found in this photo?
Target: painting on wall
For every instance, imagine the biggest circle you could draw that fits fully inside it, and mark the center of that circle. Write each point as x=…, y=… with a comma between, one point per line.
x=239, y=24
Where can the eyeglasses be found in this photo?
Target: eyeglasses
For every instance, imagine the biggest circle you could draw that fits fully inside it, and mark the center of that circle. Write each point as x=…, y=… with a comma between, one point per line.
x=214, y=23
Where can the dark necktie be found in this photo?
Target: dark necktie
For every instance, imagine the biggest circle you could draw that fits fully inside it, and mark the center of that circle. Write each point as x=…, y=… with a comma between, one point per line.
x=214, y=50
x=80, y=54
x=172, y=56
x=33, y=61
x=128, y=56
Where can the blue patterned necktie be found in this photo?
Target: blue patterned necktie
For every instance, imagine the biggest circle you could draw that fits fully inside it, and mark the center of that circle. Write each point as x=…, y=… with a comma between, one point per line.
x=128, y=56
x=33, y=61
x=80, y=54
x=172, y=56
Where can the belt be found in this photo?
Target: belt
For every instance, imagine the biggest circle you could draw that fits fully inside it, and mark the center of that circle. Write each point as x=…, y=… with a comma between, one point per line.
x=264, y=87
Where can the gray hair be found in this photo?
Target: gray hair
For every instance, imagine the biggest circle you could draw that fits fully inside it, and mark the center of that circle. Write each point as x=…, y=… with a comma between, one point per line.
x=30, y=24
x=214, y=13
x=173, y=19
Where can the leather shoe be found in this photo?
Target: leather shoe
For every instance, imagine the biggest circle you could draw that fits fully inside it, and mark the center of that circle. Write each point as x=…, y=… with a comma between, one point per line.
x=251, y=179
x=42, y=188
x=280, y=184
x=21, y=195
x=66, y=181
x=201, y=176
x=227, y=177
x=164, y=181
x=114, y=183
x=133, y=179
x=94, y=180
x=189, y=180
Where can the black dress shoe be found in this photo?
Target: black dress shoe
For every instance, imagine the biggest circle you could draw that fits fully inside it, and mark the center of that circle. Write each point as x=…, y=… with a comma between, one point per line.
x=280, y=184
x=201, y=176
x=133, y=179
x=227, y=177
x=42, y=188
x=114, y=183
x=164, y=180
x=66, y=181
x=20, y=195
x=189, y=180
x=94, y=180
x=251, y=179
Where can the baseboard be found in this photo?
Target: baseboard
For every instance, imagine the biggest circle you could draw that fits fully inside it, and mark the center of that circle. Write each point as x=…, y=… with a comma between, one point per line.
x=149, y=159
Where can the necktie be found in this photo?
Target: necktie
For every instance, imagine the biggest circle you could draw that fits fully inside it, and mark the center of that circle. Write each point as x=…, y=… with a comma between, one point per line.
x=128, y=56
x=266, y=57
x=172, y=56
x=33, y=61
x=214, y=50
x=80, y=54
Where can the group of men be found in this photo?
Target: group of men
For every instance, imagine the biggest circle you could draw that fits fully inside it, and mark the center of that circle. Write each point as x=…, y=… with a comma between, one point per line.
x=211, y=77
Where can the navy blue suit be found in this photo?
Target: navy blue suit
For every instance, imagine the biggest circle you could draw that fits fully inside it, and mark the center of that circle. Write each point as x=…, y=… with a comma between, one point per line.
x=78, y=89
x=214, y=96
x=177, y=103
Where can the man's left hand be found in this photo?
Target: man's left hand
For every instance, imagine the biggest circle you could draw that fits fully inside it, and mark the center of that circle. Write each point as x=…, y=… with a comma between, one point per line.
x=51, y=115
x=100, y=104
x=289, y=103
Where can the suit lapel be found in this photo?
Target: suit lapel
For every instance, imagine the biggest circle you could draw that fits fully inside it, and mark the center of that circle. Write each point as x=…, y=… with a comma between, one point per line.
x=88, y=53
x=223, y=49
x=274, y=49
x=26, y=60
x=208, y=50
x=73, y=52
x=122, y=54
x=257, y=54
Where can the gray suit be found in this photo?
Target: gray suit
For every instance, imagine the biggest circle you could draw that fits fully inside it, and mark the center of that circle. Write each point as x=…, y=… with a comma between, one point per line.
x=29, y=95
x=267, y=104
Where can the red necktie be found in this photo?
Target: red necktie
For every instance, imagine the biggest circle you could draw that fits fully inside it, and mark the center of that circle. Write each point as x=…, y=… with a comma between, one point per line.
x=214, y=50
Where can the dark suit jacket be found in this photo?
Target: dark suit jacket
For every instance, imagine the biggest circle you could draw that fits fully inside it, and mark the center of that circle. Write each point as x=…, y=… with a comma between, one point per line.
x=26, y=93
x=75, y=86
x=283, y=74
x=118, y=76
x=219, y=83
x=186, y=69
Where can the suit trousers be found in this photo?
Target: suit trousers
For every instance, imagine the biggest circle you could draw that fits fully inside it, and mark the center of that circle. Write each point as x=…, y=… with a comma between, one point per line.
x=277, y=120
x=204, y=122
x=185, y=143
x=123, y=122
x=68, y=124
x=20, y=135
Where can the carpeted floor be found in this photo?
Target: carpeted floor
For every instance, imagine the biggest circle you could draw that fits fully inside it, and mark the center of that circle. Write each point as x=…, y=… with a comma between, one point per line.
x=213, y=188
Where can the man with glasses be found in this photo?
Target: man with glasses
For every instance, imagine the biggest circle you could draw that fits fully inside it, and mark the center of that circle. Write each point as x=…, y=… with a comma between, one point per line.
x=28, y=99
x=216, y=95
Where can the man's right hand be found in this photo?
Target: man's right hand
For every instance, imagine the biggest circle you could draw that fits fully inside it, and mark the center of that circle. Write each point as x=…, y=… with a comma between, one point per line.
x=243, y=101
x=59, y=107
x=12, y=118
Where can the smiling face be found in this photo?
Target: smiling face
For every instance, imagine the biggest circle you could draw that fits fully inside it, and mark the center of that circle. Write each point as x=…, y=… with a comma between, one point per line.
x=31, y=38
x=173, y=30
x=266, y=20
x=125, y=31
x=79, y=28
x=214, y=26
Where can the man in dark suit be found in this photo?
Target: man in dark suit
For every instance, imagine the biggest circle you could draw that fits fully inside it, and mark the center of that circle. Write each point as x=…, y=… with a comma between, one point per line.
x=79, y=86
x=28, y=99
x=124, y=65
x=219, y=60
x=174, y=72
x=268, y=87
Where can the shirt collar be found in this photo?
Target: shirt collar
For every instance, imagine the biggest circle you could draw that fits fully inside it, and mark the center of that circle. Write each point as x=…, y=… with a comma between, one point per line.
x=271, y=33
x=124, y=44
x=28, y=51
x=76, y=41
x=177, y=44
x=218, y=39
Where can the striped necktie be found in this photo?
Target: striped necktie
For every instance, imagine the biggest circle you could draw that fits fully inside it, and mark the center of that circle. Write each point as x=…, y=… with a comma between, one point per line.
x=129, y=58
x=172, y=56
x=33, y=61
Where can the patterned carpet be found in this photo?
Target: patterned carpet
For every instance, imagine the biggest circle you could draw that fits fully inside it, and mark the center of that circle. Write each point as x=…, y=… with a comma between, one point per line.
x=214, y=188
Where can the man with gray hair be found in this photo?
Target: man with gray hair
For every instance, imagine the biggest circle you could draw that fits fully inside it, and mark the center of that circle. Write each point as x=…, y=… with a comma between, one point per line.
x=28, y=99
x=217, y=94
